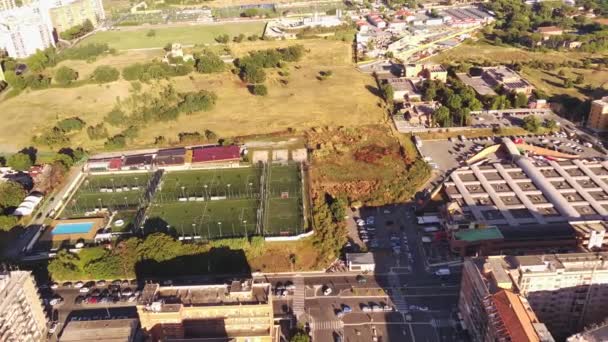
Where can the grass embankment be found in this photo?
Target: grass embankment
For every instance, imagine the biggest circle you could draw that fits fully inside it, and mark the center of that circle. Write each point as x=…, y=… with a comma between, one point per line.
x=344, y=99
x=138, y=38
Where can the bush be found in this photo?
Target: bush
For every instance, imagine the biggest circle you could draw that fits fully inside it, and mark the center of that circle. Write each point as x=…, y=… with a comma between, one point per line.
x=531, y=123
x=37, y=81
x=19, y=161
x=253, y=74
x=105, y=74
x=222, y=39
x=116, y=142
x=53, y=137
x=258, y=89
x=97, y=132
x=238, y=38
x=116, y=117
x=71, y=124
x=194, y=102
x=64, y=76
x=208, y=62
x=151, y=33
x=77, y=31
x=250, y=12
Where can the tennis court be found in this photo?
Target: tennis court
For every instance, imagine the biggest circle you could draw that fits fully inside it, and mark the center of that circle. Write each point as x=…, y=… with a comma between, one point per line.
x=114, y=192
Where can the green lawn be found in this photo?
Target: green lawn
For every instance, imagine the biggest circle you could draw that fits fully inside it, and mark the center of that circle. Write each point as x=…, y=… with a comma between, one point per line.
x=209, y=220
x=231, y=183
x=129, y=38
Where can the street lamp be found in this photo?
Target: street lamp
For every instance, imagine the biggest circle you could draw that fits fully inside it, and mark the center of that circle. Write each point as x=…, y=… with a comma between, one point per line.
x=220, y=225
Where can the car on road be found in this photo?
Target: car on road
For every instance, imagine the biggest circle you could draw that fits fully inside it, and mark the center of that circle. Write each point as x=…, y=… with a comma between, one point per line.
x=56, y=301
x=327, y=290
x=84, y=290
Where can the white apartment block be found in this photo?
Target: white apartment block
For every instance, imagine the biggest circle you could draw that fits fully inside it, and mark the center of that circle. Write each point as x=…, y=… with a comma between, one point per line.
x=22, y=316
x=25, y=30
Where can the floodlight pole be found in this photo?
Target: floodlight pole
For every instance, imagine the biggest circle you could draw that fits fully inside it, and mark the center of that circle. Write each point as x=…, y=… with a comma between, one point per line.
x=220, y=225
x=245, y=228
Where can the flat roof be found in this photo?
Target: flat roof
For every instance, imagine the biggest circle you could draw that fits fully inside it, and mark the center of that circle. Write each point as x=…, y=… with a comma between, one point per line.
x=472, y=235
x=360, y=258
x=215, y=153
x=109, y=330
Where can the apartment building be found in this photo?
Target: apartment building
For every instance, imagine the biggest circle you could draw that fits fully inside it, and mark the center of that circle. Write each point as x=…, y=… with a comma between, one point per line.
x=598, y=115
x=240, y=312
x=566, y=292
x=24, y=30
x=23, y=317
x=68, y=13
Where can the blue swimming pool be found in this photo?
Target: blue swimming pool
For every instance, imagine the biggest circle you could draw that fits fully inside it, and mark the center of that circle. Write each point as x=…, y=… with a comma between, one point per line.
x=73, y=228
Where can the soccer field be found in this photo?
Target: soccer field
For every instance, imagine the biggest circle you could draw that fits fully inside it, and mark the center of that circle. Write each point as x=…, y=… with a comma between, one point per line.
x=115, y=192
x=208, y=220
x=223, y=203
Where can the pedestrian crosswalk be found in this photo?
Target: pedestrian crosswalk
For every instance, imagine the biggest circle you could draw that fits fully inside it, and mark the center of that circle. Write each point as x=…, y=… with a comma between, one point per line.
x=397, y=296
x=327, y=325
x=299, y=295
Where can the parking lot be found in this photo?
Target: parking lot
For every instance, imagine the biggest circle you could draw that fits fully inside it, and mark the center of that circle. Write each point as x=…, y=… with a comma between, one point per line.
x=65, y=302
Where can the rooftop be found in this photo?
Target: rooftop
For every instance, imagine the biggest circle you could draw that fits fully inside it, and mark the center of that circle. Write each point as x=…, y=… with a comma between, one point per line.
x=215, y=153
x=472, y=235
x=360, y=258
x=110, y=330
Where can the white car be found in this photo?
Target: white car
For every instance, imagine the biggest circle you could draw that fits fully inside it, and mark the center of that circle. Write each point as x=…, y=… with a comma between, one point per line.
x=79, y=284
x=84, y=290
x=53, y=328
x=360, y=223
x=54, y=286
x=327, y=291
x=56, y=301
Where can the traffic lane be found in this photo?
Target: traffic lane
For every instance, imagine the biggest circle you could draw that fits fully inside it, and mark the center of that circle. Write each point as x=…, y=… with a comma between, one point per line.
x=389, y=333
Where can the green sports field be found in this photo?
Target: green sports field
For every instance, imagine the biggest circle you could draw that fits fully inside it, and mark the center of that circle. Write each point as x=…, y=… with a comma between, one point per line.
x=283, y=208
x=222, y=203
x=115, y=192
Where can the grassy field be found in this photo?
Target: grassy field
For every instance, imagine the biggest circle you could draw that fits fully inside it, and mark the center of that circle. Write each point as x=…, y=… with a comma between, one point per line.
x=344, y=99
x=136, y=37
x=115, y=192
x=549, y=81
x=284, y=214
x=231, y=183
x=209, y=219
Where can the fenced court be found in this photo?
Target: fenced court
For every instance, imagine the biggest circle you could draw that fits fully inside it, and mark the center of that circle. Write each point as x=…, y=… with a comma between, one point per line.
x=112, y=192
x=224, y=203
x=283, y=213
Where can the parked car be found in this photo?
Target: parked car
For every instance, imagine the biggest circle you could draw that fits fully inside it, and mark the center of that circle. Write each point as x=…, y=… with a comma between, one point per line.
x=365, y=308
x=84, y=290
x=361, y=279
x=79, y=284
x=56, y=301
x=67, y=284
x=101, y=283
x=53, y=328
x=327, y=290
x=78, y=300
x=54, y=286
x=346, y=308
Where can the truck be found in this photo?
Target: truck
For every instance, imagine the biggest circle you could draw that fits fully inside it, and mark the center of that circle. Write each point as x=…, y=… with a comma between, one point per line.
x=443, y=272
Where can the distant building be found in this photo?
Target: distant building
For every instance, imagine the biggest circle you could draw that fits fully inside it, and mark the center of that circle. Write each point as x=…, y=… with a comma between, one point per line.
x=69, y=13
x=25, y=30
x=240, y=312
x=428, y=71
x=548, y=31
x=104, y=330
x=484, y=80
x=216, y=154
x=170, y=157
x=137, y=162
x=592, y=334
x=23, y=317
x=598, y=115
x=404, y=89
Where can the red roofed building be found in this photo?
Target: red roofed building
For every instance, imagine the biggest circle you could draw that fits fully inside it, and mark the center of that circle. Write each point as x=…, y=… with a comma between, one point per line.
x=513, y=319
x=216, y=154
x=115, y=164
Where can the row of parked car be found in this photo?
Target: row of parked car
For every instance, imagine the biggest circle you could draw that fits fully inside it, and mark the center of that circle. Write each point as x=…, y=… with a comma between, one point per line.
x=112, y=294
x=282, y=290
x=367, y=231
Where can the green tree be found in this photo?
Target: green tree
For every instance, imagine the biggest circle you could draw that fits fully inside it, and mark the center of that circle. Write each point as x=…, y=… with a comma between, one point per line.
x=531, y=123
x=442, y=117
x=338, y=209
x=19, y=161
x=239, y=38
x=11, y=194
x=300, y=336
x=253, y=74
x=250, y=12
x=64, y=75
x=7, y=222
x=520, y=100
x=116, y=117
x=259, y=90
x=222, y=39
x=208, y=62
x=151, y=33
x=71, y=124
x=551, y=124
x=388, y=93
x=105, y=74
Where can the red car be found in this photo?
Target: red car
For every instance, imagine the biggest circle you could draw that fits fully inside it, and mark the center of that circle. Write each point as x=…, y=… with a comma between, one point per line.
x=93, y=300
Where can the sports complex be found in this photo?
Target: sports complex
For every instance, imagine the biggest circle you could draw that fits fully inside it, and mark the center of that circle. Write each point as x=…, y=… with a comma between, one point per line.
x=206, y=203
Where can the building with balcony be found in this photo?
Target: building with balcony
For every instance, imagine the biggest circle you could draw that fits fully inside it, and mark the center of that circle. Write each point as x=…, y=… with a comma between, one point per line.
x=23, y=317
x=598, y=115
x=565, y=292
x=239, y=312
x=69, y=13
x=24, y=30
